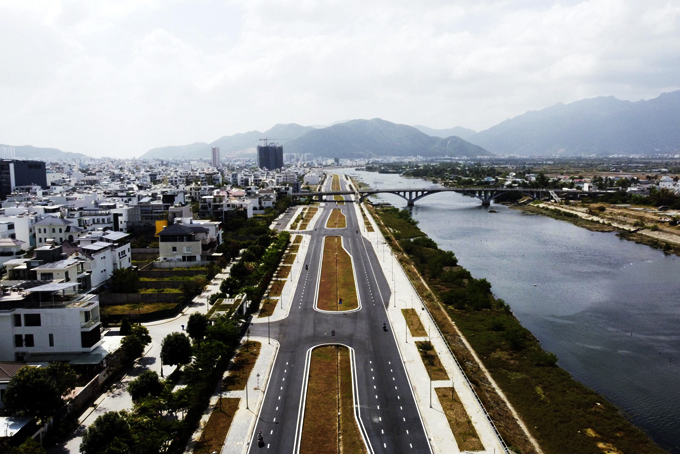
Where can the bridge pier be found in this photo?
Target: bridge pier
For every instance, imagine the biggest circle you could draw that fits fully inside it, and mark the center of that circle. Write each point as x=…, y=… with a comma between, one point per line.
x=486, y=202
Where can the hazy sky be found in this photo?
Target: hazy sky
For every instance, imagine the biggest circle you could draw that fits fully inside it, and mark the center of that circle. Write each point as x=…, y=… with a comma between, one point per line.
x=119, y=77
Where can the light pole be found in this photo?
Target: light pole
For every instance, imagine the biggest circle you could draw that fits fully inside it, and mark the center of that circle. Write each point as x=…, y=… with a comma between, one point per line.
x=247, y=394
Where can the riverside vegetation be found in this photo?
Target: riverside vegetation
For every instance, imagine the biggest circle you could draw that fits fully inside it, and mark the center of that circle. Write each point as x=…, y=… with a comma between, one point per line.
x=562, y=414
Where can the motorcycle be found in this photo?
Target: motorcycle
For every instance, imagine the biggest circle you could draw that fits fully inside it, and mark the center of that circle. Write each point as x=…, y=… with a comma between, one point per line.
x=385, y=327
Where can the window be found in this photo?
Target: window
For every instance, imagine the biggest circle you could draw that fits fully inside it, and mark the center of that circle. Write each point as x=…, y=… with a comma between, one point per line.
x=32, y=319
x=46, y=276
x=174, y=249
x=52, y=230
x=51, y=336
x=60, y=230
x=17, y=319
x=28, y=340
x=18, y=340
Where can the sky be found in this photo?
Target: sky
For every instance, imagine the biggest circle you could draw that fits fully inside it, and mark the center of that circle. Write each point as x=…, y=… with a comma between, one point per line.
x=119, y=77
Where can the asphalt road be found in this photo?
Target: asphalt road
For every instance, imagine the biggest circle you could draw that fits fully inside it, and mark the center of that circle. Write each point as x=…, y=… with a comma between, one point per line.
x=387, y=407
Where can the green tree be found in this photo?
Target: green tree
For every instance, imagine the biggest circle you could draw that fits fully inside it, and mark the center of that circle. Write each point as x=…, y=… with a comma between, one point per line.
x=176, y=349
x=124, y=280
x=29, y=446
x=38, y=391
x=109, y=434
x=131, y=348
x=147, y=384
x=197, y=325
x=125, y=327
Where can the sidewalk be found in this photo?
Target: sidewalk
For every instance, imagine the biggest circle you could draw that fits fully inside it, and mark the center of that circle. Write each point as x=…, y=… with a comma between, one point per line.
x=404, y=296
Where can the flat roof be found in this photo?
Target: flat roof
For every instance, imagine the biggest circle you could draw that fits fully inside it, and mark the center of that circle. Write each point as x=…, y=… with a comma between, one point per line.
x=52, y=287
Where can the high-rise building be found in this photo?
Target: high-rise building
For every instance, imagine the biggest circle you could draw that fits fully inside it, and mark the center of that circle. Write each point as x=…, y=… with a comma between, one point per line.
x=216, y=157
x=15, y=173
x=270, y=156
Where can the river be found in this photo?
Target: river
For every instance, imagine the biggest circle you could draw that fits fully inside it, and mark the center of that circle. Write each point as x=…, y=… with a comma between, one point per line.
x=608, y=308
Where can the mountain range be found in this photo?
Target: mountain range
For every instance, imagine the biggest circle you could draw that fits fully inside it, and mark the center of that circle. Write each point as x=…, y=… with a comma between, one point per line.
x=596, y=126
x=30, y=152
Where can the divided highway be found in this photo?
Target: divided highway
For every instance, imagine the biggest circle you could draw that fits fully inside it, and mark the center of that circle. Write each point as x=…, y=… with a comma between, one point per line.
x=388, y=410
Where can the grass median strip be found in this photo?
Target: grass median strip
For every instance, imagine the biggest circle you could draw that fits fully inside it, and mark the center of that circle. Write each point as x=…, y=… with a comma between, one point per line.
x=413, y=321
x=242, y=365
x=336, y=220
x=329, y=405
x=461, y=426
x=309, y=214
x=215, y=431
x=337, y=278
x=298, y=239
x=431, y=360
x=340, y=200
x=335, y=185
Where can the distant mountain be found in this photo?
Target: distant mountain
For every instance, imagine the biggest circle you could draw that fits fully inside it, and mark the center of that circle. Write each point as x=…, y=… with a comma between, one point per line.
x=229, y=145
x=374, y=138
x=38, y=154
x=598, y=126
x=463, y=133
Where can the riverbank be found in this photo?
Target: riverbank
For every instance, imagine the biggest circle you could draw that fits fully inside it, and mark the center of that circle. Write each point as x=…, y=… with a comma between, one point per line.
x=562, y=414
x=658, y=238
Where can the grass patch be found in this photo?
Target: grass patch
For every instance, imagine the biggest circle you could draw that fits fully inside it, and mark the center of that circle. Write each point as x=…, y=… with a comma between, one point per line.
x=340, y=200
x=215, y=431
x=289, y=259
x=461, y=426
x=336, y=220
x=268, y=306
x=414, y=324
x=276, y=288
x=297, y=239
x=160, y=290
x=431, y=361
x=241, y=367
x=134, y=309
x=337, y=278
x=328, y=391
x=284, y=272
x=294, y=249
x=308, y=215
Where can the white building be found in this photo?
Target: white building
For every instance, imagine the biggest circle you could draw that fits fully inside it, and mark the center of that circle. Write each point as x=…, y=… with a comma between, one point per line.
x=39, y=321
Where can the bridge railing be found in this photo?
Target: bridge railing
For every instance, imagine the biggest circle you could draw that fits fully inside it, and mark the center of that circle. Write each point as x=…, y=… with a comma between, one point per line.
x=460, y=368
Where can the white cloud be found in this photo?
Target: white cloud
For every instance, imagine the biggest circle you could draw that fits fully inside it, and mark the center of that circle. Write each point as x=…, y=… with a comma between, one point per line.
x=118, y=78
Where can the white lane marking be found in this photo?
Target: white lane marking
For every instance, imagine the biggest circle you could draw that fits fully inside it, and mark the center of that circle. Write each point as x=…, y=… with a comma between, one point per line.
x=404, y=419
x=380, y=418
x=271, y=432
x=277, y=408
x=274, y=420
x=382, y=431
x=279, y=397
x=378, y=407
x=376, y=396
x=406, y=431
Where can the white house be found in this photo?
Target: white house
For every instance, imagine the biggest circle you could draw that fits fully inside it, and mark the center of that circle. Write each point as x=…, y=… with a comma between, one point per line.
x=39, y=321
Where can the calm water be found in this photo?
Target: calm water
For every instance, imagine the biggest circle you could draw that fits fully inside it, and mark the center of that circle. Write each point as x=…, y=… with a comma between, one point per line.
x=608, y=308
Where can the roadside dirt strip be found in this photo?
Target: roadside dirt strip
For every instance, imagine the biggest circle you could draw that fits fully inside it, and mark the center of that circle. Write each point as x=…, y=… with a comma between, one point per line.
x=329, y=423
x=337, y=288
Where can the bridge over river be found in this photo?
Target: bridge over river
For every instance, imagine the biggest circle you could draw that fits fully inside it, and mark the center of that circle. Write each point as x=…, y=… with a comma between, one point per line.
x=485, y=194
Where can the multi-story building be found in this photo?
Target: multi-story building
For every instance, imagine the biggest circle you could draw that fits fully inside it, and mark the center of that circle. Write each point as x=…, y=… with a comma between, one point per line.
x=181, y=242
x=52, y=229
x=270, y=156
x=216, y=163
x=15, y=173
x=40, y=320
